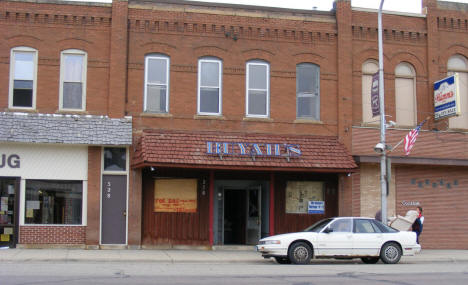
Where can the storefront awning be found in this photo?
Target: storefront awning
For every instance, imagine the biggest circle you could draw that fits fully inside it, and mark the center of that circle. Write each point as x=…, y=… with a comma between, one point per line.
x=214, y=150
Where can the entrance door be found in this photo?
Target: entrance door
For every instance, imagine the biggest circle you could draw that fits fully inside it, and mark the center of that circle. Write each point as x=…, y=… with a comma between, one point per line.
x=114, y=209
x=253, y=215
x=9, y=189
x=241, y=218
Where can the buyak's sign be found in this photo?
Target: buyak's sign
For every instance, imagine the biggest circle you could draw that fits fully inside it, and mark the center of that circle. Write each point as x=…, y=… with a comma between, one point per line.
x=253, y=149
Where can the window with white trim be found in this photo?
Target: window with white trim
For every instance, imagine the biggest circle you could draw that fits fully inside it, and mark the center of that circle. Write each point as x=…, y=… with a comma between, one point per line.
x=57, y=202
x=459, y=64
x=73, y=66
x=209, y=86
x=405, y=95
x=308, y=91
x=156, y=84
x=258, y=89
x=369, y=68
x=23, y=75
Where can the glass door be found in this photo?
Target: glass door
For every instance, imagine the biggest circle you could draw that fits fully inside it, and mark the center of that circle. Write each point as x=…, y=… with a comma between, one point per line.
x=253, y=215
x=8, y=211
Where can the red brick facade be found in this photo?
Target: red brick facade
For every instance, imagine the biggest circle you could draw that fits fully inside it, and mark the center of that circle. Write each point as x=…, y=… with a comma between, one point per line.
x=118, y=36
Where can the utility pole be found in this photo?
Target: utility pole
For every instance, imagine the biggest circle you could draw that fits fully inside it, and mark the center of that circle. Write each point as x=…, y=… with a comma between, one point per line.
x=383, y=157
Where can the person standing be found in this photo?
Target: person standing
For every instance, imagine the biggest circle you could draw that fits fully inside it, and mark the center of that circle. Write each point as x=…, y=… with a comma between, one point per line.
x=417, y=226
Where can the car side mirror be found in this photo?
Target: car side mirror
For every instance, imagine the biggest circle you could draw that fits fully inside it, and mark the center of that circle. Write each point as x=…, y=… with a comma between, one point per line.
x=328, y=230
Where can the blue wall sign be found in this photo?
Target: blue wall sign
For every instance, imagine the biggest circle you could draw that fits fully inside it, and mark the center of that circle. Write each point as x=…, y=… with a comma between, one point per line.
x=316, y=207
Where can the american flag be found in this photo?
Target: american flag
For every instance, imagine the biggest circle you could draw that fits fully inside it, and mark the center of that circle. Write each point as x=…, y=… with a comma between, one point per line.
x=410, y=138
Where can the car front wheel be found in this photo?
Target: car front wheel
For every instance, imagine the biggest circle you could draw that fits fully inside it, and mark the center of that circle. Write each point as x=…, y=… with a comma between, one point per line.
x=370, y=260
x=390, y=253
x=300, y=253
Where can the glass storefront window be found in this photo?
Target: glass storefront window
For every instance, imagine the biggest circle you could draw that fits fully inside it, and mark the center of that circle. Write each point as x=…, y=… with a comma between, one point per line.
x=54, y=202
x=115, y=159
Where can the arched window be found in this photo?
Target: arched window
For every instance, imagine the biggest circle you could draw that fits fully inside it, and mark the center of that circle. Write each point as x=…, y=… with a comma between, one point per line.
x=369, y=68
x=156, y=83
x=73, y=79
x=258, y=89
x=459, y=64
x=23, y=78
x=210, y=72
x=308, y=91
x=405, y=95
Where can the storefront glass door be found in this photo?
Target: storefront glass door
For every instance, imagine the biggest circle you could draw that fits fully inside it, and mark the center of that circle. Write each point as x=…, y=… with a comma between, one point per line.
x=253, y=215
x=8, y=211
x=242, y=216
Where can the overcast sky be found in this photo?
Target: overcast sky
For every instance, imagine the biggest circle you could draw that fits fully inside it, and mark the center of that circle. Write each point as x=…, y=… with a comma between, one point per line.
x=412, y=6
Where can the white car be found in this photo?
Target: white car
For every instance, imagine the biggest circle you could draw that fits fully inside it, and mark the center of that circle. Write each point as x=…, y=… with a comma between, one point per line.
x=342, y=237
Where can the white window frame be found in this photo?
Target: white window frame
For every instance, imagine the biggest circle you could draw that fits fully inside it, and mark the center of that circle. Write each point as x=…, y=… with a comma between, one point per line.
x=83, y=77
x=220, y=86
x=309, y=94
x=84, y=205
x=262, y=63
x=12, y=75
x=461, y=121
x=168, y=62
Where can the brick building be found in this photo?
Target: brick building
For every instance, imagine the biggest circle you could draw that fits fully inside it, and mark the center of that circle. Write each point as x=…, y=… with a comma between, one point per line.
x=212, y=124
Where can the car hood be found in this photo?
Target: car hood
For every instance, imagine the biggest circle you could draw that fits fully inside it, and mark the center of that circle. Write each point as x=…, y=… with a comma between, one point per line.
x=289, y=236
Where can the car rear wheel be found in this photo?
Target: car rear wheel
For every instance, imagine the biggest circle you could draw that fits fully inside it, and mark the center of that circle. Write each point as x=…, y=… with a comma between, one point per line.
x=300, y=253
x=370, y=260
x=390, y=253
x=283, y=260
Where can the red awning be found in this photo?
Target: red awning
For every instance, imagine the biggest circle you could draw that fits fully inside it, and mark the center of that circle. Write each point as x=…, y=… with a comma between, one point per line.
x=215, y=150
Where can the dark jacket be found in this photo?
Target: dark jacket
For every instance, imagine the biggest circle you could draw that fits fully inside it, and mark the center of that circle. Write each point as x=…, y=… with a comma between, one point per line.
x=417, y=226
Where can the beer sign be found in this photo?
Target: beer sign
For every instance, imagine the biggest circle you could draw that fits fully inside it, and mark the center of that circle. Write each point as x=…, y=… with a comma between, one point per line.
x=446, y=97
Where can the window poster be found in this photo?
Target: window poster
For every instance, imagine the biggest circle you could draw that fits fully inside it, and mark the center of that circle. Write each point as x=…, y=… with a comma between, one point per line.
x=299, y=193
x=8, y=231
x=4, y=204
x=175, y=195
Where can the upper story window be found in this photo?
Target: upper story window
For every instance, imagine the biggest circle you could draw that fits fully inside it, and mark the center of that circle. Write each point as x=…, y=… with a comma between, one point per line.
x=209, y=86
x=405, y=95
x=73, y=65
x=23, y=76
x=156, y=84
x=308, y=91
x=369, y=68
x=459, y=64
x=258, y=89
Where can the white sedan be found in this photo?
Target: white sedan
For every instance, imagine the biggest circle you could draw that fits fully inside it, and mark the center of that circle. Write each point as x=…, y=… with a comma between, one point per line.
x=342, y=237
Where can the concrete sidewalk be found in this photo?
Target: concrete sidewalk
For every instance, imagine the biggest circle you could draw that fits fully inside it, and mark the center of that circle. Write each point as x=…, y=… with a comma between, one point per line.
x=192, y=256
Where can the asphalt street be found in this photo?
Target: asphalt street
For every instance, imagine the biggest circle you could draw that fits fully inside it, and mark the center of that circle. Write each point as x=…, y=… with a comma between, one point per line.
x=323, y=272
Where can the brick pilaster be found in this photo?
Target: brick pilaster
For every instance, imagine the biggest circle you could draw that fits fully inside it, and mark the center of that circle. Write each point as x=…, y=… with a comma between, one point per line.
x=118, y=59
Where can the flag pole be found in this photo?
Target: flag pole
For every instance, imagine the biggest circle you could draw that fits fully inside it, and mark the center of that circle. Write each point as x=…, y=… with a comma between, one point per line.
x=403, y=139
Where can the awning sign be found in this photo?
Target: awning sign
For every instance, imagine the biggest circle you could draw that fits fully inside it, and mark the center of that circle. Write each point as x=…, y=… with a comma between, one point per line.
x=446, y=97
x=253, y=149
x=316, y=207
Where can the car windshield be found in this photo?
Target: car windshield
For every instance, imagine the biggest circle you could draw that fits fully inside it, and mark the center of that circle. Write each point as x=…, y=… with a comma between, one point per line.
x=318, y=226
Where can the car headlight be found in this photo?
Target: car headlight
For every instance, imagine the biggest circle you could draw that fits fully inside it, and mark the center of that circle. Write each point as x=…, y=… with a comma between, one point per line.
x=270, y=242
